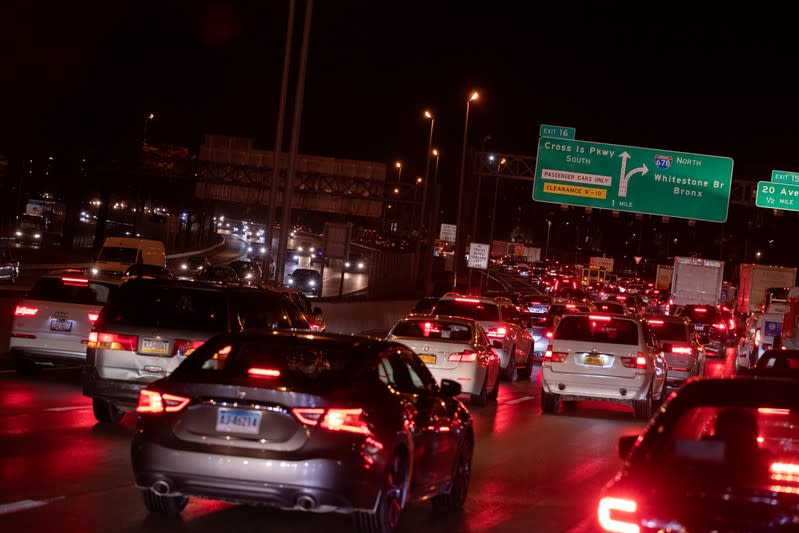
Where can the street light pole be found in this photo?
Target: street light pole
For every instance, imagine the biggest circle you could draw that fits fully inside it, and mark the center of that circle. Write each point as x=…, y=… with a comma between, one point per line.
x=546, y=249
x=459, y=233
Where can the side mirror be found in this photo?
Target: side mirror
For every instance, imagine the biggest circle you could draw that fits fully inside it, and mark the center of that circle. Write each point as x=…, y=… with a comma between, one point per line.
x=496, y=344
x=626, y=444
x=450, y=388
x=316, y=310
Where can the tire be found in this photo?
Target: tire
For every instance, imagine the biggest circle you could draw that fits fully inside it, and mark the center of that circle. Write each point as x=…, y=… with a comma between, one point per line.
x=169, y=505
x=549, y=402
x=527, y=370
x=25, y=367
x=392, y=498
x=509, y=372
x=481, y=398
x=495, y=391
x=107, y=413
x=461, y=476
x=644, y=408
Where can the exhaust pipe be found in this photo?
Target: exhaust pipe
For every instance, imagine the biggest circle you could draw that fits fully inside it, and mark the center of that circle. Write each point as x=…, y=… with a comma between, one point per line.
x=306, y=502
x=161, y=487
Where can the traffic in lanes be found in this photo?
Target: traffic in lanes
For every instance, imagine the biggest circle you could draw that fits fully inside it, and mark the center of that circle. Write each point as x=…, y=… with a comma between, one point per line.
x=530, y=470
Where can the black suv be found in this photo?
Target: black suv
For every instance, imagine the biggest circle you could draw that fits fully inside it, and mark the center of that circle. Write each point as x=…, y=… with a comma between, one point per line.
x=714, y=325
x=148, y=327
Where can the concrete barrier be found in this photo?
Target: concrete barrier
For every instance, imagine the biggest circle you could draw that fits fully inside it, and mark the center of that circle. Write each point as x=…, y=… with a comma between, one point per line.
x=354, y=317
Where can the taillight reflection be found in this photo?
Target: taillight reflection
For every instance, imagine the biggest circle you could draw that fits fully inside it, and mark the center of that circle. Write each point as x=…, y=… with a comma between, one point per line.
x=185, y=347
x=24, y=310
x=93, y=317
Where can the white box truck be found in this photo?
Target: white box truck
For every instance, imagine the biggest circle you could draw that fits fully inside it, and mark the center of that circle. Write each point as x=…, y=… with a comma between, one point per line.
x=696, y=281
x=755, y=279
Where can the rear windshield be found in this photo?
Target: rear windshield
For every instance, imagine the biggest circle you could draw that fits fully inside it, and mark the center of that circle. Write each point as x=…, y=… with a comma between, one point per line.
x=669, y=331
x=57, y=290
x=482, y=312
x=701, y=315
x=604, y=329
x=113, y=254
x=298, y=362
x=433, y=329
x=167, y=307
x=611, y=307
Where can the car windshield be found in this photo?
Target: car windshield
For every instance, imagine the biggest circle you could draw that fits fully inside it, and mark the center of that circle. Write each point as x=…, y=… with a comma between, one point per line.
x=601, y=328
x=611, y=307
x=115, y=254
x=433, y=329
x=284, y=362
x=77, y=291
x=477, y=310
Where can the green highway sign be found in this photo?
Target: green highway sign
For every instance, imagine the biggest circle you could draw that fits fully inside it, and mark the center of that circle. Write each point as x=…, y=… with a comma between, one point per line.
x=777, y=195
x=781, y=176
x=637, y=180
x=560, y=132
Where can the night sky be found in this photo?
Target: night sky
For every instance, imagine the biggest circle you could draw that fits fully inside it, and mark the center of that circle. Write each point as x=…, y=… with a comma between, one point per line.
x=81, y=76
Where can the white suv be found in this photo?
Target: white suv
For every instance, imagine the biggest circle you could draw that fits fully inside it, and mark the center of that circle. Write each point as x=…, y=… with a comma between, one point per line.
x=504, y=325
x=599, y=356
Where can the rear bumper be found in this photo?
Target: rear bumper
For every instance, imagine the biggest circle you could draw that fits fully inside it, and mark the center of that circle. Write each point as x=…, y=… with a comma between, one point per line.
x=571, y=386
x=124, y=393
x=46, y=355
x=471, y=379
x=334, y=485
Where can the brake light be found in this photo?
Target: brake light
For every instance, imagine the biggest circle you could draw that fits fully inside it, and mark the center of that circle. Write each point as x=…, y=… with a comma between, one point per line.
x=75, y=282
x=732, y=323
x=773, y=411
x=155, y=402
x=549, y=334
x=264, y=372
x=614, y=515
x=466, y=356
x=498, y=333
x=93, y=317
x=700, y=310
x=684, y=350
x=637, y=362
x=655, y=322
x=469, y=300
x=554, y=357
x=720, y=325
x=112, y=341
x=621, y=298
x=185, y=347
x=347, y=420
x=599, y=317
x=571, y=306
x=23, y=310
x=429, y=328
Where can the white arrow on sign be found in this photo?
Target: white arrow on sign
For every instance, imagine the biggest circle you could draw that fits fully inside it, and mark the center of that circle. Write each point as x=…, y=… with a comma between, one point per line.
x=625, y=176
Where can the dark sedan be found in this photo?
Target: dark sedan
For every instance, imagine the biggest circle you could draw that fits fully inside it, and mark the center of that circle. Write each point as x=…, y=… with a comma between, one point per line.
x=721, y=456
x=9, y=266
x=325, y=423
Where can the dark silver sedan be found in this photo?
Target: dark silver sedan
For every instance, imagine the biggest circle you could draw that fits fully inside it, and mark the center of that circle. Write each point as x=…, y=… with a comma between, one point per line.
x=323, y=423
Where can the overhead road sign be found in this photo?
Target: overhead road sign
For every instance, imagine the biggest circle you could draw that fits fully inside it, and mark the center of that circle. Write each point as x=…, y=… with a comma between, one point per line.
x=633, y=179
x=560, y=132
x=777, y=195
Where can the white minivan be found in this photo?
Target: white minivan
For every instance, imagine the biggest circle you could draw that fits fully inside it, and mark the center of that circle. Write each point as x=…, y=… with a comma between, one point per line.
x=118, y=253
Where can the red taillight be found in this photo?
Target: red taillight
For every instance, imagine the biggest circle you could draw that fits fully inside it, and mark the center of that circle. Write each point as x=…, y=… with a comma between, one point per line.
x=700, y=310
x=616, y=515
x=348, y=420
x=93, y=317
x=599, y=317
x=498, y=333
x=549, y=334
x=75, y=282
x=23, y=310
x=469, y=300
x=720, y=325
x=466, y=356
x=655, y=322
x=155, y=402
x=732, y=323
x=113, y=341
x=633, y=361
x=185, y=347
x=264, y=372
x=773, y=411
x=682, y=350
x=554, y=357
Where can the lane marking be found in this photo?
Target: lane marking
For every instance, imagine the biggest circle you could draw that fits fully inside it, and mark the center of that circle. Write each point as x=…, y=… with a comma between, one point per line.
x=73, y=408
x=23, y=505
x=519, y=400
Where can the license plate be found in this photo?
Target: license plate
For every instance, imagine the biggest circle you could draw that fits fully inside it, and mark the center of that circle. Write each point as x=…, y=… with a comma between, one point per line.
x=538, y=309
x=154, y=346
x=699, y=327
x=428, y=358
x=238, y=421
x=59, y=324
x=593, y=360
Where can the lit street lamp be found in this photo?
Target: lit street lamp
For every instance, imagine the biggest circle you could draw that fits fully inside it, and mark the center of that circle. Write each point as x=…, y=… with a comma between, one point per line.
x=459, y=245
x=398, y=166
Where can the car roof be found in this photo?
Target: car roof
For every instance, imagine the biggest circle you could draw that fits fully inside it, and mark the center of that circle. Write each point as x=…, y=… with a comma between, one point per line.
x=454, y=319
x=742, y=390
x=476, y=299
